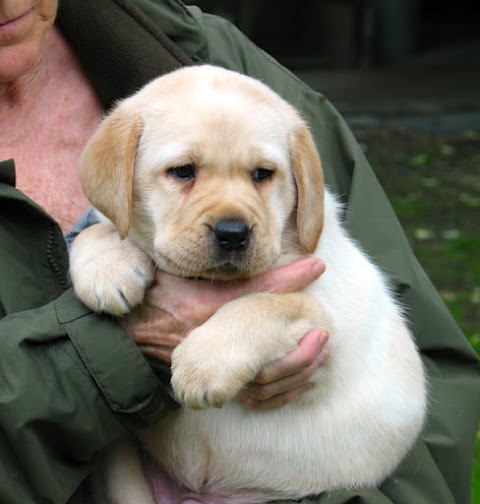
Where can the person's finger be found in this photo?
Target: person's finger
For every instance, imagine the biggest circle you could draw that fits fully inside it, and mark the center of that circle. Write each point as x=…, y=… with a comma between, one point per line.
x=290, y=378
x=290, y=278
x=301, y=357
x=152, y=338
x=257, y=392
x=164, y=354
x=278, y=400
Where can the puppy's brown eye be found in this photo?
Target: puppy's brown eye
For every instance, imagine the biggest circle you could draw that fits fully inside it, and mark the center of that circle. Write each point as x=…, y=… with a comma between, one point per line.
x=262, y=175
x=184, y=172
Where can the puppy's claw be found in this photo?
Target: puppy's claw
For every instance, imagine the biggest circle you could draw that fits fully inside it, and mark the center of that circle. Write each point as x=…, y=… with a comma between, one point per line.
x=125, y=300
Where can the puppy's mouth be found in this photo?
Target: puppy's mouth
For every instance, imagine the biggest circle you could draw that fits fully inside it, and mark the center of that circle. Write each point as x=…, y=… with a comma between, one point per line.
x=227, y=271
x=214, y=265
x=214, y=270
x=228, y=250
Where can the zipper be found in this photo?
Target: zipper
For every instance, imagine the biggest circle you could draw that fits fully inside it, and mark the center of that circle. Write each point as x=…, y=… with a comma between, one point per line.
x=61, y=280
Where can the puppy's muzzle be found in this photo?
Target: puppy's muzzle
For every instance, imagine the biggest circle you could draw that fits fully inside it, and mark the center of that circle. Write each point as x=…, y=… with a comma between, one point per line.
x=232, y=235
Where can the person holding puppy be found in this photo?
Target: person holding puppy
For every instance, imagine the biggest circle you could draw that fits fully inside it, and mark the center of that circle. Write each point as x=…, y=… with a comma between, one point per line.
x=73, y=381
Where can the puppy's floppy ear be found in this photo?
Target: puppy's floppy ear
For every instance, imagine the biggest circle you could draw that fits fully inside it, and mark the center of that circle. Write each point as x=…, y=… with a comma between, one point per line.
x=106, y=166
x=308, y=174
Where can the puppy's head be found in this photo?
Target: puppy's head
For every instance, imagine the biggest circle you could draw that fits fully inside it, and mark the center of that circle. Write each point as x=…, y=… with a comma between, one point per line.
x=208, y=171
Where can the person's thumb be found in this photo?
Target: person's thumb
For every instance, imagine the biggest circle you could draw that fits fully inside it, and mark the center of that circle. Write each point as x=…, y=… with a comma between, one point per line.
x=290, y=278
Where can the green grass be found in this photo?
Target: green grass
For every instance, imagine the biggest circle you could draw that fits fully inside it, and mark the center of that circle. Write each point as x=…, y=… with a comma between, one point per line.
x=434, y=186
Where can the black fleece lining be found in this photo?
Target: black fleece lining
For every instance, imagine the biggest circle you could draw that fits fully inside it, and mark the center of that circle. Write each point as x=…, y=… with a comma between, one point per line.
x=117, y=45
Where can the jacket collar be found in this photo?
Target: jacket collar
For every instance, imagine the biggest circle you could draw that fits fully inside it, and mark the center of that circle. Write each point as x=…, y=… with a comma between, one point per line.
x=7, y=172
x=117, y=45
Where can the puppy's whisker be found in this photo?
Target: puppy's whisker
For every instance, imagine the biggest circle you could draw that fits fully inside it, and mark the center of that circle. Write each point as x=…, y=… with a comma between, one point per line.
x=290, y=242
x=187, y=261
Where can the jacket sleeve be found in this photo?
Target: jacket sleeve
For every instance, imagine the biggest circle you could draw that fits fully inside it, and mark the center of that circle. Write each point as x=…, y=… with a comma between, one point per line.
x=438, y=469
x=71, y=381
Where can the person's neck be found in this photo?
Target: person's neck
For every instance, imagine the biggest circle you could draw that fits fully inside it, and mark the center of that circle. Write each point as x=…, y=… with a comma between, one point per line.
x=19, y=93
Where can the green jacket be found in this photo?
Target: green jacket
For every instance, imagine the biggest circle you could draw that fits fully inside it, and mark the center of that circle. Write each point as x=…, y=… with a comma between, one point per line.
x=71, y=381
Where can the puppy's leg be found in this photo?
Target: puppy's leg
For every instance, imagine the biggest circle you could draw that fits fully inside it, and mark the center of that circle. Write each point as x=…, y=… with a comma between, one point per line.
x=221, y=356
x=109, y=274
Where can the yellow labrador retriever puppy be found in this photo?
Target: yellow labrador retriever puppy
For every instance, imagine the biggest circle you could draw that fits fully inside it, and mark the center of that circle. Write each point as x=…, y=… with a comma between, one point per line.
x=207, y=173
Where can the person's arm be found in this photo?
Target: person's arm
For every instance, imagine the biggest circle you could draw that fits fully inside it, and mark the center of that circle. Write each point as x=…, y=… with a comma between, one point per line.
x=71, y=382
x=438, y=469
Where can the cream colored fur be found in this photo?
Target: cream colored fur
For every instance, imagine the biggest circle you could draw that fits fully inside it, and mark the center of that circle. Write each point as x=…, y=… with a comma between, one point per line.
x=368, y=402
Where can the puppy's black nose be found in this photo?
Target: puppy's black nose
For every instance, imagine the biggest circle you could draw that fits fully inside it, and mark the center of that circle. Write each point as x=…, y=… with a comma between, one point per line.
x=232, y=234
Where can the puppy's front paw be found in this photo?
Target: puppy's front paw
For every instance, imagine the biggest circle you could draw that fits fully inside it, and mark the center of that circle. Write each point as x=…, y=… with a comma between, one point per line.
x=109, y=274
x=207, y=374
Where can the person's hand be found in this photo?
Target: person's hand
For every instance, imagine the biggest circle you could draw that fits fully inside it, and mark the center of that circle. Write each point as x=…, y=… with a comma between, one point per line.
x=283, y=380
x=175, y=306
